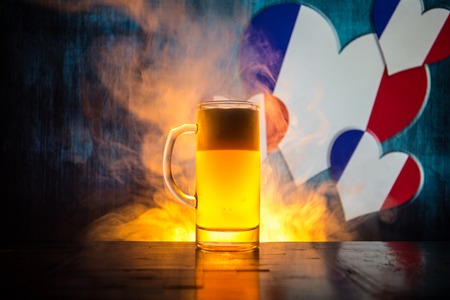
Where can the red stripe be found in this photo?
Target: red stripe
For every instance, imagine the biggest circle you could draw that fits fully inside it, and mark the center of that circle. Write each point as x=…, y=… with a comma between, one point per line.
x=399, y=99
x=407, y=185
x=441, y=46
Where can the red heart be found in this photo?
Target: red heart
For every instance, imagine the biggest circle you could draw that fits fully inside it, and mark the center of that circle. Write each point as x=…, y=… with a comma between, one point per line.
x=277, y=121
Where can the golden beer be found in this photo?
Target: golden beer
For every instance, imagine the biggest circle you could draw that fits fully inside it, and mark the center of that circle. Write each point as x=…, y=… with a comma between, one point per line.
x=228, y=178
x=227, y=174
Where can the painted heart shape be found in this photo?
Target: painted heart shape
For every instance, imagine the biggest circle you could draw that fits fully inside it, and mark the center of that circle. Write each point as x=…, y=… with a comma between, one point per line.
x=293, y=51
x=410, y=37
x=367, y=181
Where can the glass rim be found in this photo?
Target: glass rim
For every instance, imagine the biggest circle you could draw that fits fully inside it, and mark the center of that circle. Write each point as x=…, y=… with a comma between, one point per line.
x=224, y=104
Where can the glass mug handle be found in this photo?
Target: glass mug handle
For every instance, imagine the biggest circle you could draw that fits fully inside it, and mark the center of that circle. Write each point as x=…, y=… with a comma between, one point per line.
x=167, y=164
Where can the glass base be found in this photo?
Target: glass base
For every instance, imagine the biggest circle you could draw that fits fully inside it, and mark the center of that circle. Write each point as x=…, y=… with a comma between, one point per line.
x=227, y=240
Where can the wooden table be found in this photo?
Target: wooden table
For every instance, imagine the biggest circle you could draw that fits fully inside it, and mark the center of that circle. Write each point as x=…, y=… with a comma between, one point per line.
x=171, y=270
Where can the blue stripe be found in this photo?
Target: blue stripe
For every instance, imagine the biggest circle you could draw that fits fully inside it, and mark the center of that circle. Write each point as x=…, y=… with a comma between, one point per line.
x=342, y=150
x=265, y=44
x=382, y=13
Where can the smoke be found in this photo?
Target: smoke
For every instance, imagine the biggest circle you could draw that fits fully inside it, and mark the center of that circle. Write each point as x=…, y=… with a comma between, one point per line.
x=186, y=52
x=183, y=54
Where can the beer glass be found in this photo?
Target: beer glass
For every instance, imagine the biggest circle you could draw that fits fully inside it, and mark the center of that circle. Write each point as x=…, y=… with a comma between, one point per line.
x=227, y=197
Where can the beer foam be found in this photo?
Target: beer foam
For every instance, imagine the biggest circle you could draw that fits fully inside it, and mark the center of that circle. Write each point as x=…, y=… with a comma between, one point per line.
x=231, y=128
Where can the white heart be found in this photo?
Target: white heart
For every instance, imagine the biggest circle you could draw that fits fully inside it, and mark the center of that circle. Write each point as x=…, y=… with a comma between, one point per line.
x=409, y=35
x=324, y=91
x=367, y=179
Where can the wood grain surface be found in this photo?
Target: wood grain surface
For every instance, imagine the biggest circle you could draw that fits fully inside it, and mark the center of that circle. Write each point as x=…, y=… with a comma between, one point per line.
x=172, y=270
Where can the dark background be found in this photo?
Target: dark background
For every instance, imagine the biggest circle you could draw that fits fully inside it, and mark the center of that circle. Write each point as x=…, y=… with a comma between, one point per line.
x=62, y=130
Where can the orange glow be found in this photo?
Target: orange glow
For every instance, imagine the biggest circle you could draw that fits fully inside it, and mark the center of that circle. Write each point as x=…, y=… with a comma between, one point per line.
x=169, y=222
x=297, y=215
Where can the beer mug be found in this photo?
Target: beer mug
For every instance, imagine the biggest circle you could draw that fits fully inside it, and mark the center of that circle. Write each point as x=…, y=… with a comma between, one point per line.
x=227, y=197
